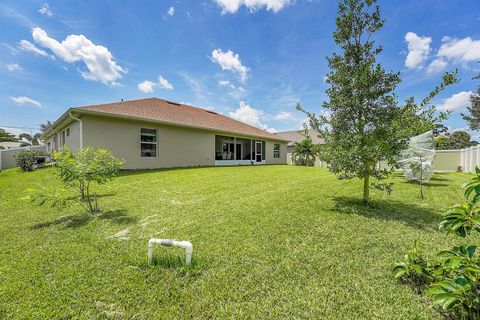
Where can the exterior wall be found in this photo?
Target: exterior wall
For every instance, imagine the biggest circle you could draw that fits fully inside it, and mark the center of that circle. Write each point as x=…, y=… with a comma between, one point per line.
x=176, y=146
x=269, y=159
x=54, y=143
x=7, y=157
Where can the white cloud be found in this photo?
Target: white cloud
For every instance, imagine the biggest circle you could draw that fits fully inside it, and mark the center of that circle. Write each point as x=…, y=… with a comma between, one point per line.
x=461, y=50
x=26, y=100
x=163, y=83
x=437, y=65
x=283, y=115
x=251, y=116
x=196, y=85
x=148, y=86
x=232, y=6
x=98, y=60
x=26, y=45
x=236, y=92
x=457, y=101
x=13, y=67
x=45, y=9
x=230, y=61
x=418, y=50
x=171, y=11
x=224, y=83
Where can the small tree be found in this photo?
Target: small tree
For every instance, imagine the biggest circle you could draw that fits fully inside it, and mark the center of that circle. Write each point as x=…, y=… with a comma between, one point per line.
x=85, y=167
x=305, y=153
x=79, y=171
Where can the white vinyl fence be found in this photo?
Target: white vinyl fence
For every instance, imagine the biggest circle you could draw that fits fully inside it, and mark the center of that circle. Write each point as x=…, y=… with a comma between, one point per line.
x=470, y=158
x=7, y=156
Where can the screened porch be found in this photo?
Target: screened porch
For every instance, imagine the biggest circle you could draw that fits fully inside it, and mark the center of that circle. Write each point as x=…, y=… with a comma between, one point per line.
x=235, y=151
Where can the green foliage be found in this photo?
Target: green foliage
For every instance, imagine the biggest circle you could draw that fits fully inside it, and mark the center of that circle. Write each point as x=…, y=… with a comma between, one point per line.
x=366, y=124
x=31, y=140
x=473, y=115
x=78, y=171
x=453, y=275
x=25, y=159
x=7, y=137
x=85, y=167
x=305, y=153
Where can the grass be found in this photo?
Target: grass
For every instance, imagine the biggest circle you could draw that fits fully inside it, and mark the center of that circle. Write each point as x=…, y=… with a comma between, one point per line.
x=271, y=242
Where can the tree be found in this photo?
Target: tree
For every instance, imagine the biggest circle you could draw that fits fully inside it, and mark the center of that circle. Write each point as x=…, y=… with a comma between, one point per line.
x=7, y=137
x=45, y=126
x=473, y=116
x=459, y=140
x=305, y=153
x=85, y=167
x=442, y=142
x=79, y=171
x=366, y=125
x=32, y=140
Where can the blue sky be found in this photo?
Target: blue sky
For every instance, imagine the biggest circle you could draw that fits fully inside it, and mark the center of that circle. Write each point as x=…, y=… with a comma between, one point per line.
x=252, y=60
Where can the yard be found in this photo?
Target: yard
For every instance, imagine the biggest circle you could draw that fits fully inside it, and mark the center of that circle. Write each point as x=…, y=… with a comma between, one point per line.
x=271, y=242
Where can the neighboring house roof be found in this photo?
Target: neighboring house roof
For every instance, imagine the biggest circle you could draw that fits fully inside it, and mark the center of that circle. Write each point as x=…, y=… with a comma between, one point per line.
x=159, y=110
x=10, y=144
x=299, y=135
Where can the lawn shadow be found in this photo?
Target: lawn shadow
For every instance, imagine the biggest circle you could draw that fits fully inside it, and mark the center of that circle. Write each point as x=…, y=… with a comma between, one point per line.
x=78, y=220
x=412, y=215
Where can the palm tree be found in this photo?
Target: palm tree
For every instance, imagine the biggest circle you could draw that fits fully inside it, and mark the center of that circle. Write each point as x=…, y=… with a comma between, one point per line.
x=305, y=153
x=45, y=126
x=33, y=141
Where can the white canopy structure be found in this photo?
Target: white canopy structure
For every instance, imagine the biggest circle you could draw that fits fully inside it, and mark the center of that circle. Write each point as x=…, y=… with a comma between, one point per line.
x=416, y=161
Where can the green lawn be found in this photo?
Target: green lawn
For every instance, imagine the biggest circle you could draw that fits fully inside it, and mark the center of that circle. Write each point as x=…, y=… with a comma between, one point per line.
x=271, y=242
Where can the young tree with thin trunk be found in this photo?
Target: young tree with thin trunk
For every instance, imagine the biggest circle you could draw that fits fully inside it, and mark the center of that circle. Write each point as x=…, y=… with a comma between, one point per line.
x=365, y=124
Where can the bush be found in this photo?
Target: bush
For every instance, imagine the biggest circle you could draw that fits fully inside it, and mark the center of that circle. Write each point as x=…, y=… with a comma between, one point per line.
x=452, y=276
x=25, y=159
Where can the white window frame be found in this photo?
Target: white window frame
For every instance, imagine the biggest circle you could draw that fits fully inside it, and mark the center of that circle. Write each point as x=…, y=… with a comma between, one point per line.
x=276, y=153
x=145, y=142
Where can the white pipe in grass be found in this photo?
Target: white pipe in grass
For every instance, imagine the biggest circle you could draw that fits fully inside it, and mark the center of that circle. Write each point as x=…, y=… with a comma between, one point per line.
x=171, y=243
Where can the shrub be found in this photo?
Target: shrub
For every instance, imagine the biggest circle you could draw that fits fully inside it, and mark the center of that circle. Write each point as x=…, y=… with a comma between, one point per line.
x=25, y=159
x=79, y=171
x=305, y=153
x=452, y=276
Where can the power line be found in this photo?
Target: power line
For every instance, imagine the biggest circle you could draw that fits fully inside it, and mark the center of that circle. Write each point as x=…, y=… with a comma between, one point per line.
x=12, y=127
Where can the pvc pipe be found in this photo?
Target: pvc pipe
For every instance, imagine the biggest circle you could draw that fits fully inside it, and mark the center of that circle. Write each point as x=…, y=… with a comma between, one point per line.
x=171, y=243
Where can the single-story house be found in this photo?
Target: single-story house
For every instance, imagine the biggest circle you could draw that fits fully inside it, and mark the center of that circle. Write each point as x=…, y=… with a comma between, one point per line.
x=156, y=133
x=296, y=136
x=10, y=144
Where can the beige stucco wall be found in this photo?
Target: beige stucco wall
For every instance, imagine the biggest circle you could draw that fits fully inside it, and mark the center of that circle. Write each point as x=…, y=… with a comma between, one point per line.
x=73, y=140
x=269, y=159
x=177, y=146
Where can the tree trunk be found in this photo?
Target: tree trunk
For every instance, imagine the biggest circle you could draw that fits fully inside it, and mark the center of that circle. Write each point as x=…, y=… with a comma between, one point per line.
x=366, y=189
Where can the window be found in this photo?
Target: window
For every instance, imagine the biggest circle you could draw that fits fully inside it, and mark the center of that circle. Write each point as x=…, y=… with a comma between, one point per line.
x=148, y=143
x=276, y=150
x=68, y=132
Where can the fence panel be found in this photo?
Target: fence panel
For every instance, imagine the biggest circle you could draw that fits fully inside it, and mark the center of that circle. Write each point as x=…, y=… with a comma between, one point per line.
x=7, y=157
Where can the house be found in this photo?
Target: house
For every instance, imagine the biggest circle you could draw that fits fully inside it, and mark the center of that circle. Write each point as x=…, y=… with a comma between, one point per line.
x=296, y=136
x=156, y=133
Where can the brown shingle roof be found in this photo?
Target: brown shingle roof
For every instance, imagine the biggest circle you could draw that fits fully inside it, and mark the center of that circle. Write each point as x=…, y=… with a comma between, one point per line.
x=299, y=136
x=175, y=113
